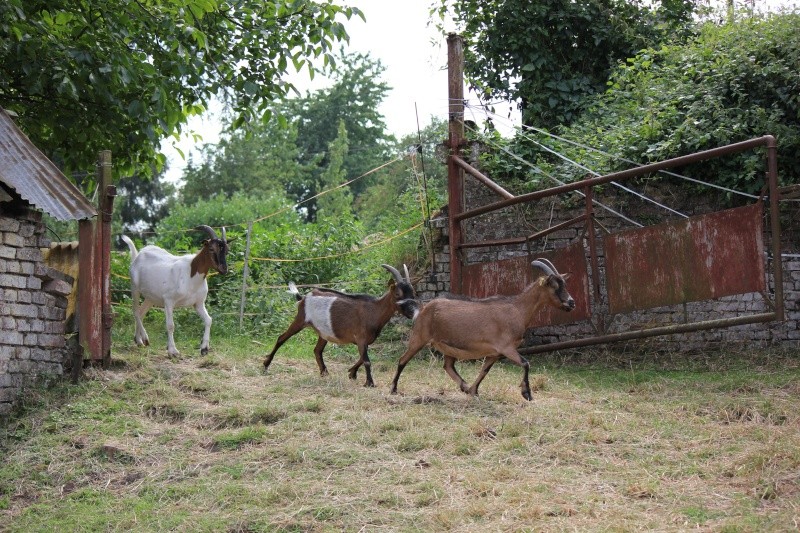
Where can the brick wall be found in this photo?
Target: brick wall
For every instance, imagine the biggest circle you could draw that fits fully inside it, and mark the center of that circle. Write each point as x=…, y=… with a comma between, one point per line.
x=32, y=308
x=519, y=221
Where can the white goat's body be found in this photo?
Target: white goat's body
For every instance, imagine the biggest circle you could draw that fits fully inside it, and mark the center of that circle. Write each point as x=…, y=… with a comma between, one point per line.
x=162, y=277
x=168, y=281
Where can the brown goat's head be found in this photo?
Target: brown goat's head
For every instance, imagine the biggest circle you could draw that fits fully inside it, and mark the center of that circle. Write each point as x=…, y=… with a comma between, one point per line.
x=405, y=298
x=559, y=296
x=217, y=249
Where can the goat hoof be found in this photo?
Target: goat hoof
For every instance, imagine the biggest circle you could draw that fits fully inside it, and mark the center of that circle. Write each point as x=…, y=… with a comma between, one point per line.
x=527, y=395
x=369, y=384
x=204, y=351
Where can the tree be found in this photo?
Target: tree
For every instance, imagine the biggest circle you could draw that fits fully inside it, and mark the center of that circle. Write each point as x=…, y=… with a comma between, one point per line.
x=354, y=97
x=336, y=202
x=141, y=203
x=294, y=159
x=86, y=75
x=731, y=83
x=550, y=54
x=262, y=161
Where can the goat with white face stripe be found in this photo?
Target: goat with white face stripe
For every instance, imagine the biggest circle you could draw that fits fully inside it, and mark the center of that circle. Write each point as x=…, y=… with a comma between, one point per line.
x=344, y=318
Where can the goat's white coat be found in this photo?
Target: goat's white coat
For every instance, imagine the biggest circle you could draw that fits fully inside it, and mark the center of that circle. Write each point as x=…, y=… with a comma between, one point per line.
x=165, y=280
x=318, y=313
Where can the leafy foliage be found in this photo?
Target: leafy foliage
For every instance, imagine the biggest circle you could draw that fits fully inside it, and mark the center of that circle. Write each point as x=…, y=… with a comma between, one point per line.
x=550, y=55
x=730, y=83
x=86, y=75
x=142, y=202
x=262, y=161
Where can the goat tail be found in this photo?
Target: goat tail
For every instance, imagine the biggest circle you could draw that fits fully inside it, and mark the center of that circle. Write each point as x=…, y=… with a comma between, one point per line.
x=131, y=246
x=293, y=290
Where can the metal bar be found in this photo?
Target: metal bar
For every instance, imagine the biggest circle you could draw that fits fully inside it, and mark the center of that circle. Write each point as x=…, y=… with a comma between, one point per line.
x=455, y=176
x=521, y=240
x=652, y=332
x=593, y=261
x=622, y=175
x=775, y=225
x=475, y=173
x=557, y=227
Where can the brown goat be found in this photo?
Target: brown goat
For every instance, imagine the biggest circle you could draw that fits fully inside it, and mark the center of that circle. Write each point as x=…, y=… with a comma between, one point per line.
x=490, y=328
x=349, y=319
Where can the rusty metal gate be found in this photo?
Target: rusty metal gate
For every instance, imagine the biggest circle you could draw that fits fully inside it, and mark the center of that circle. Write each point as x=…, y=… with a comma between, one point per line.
x=700, y=258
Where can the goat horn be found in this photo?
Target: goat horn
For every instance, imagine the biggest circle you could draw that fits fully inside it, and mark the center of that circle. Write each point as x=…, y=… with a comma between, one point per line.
x=544, y=267
x=223, y=234
x=394, y=272
x=550, y=263
x=208, y=230
x=405, y=268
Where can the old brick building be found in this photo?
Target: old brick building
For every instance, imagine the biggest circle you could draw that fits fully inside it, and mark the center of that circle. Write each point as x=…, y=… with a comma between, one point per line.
x=32, y=296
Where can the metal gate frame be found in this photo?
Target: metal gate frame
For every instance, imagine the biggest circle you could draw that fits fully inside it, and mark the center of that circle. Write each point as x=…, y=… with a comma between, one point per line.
x=457, y=166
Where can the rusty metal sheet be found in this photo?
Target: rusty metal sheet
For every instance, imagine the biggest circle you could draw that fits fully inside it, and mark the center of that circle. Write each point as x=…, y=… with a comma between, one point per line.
x=24, y=168
x=702, y=258
x=512, y=275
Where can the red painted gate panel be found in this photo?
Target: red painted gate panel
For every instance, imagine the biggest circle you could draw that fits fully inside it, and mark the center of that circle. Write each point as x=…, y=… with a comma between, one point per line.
x=512, y=275
x=701, y=258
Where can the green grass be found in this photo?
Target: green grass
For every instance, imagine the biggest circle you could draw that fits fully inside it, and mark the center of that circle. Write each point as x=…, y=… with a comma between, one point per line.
x=611, y=441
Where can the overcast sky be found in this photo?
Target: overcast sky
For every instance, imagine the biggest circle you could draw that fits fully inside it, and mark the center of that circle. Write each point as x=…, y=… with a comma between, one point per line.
x=414, y=55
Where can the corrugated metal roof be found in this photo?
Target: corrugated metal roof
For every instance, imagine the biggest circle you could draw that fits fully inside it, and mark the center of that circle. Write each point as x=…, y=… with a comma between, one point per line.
x=24, y=168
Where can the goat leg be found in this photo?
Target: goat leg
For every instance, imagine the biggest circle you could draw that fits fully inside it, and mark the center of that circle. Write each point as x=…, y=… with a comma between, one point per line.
x=449, y=367
x=414, y=346
x=203, y=312
x=487, y=364
x=321, y=343
x=172, y=350
x=363, y=359
x=295, y=327
x=518, y=360
x=141, y=309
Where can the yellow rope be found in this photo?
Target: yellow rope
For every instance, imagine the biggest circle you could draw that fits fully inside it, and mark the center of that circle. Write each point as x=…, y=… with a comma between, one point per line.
x=342, y=254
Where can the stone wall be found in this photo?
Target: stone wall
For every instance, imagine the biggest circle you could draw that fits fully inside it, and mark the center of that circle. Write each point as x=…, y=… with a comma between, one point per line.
x=520, y=221
x=32, y=308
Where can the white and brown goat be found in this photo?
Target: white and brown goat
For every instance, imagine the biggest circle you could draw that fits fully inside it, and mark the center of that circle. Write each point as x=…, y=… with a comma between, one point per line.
x=169, y=281
x=489, y=328
x=344, y=318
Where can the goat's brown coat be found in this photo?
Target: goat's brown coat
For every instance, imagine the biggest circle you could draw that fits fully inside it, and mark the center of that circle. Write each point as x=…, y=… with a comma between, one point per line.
x=490, y=328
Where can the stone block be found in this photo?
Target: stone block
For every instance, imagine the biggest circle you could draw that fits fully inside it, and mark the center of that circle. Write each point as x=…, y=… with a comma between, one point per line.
x=12, y=225
x=13, y=239
x=30, y=254
x=11, y=337
x=13, y=281
x=57, y=286
x=24, y=310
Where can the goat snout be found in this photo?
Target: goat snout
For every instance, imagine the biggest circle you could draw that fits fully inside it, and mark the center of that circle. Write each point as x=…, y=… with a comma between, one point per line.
x=409, y=308
x=569, y=305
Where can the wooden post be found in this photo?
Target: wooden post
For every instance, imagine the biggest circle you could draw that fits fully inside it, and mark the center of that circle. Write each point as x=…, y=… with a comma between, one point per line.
x=244, y=273
x=455, y=174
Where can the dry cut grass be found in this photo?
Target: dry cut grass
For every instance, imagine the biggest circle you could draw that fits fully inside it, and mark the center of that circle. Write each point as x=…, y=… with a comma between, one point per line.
x=213, y=444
